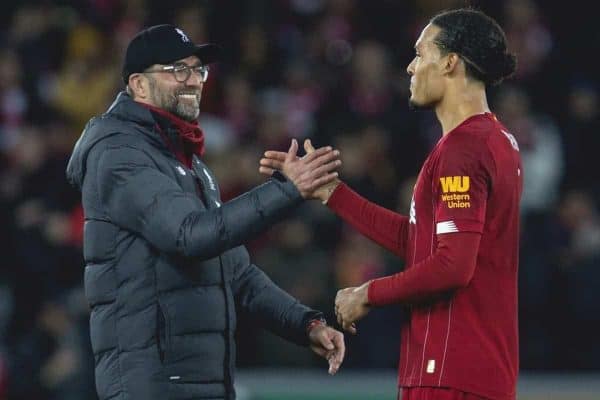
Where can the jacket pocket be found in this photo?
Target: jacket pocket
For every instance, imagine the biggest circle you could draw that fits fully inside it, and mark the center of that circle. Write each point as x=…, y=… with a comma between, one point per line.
x=161, y=332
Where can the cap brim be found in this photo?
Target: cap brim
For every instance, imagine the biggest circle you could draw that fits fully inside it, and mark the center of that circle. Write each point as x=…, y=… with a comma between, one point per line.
x=208, y=53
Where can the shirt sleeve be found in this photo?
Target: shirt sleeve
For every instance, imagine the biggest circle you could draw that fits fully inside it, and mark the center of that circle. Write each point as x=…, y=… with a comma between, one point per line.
x=139, y=197
x=451, y=267
x=384, y=227
x=461, y=179
x=269, y=305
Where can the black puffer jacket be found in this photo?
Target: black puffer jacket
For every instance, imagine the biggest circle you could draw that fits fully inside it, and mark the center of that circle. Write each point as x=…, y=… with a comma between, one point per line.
x=165, y=269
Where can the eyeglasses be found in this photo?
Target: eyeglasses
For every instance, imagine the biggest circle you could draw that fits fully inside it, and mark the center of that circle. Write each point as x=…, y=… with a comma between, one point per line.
x=182, y=72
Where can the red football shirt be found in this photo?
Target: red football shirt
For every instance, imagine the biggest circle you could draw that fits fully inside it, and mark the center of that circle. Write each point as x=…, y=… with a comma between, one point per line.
x=466, y=337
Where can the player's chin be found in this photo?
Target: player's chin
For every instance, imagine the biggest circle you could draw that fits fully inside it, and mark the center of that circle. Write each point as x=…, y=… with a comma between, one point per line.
x=416, y=104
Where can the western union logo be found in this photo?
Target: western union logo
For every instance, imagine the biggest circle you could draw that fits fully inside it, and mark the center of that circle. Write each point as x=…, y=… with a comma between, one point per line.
x=453, y=184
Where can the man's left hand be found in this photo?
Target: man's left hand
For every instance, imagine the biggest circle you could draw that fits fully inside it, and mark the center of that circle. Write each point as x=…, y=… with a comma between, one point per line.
x=351, y=305
x=329, y=344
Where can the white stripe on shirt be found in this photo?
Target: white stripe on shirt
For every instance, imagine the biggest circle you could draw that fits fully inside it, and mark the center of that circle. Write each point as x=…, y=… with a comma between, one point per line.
x=446, y=227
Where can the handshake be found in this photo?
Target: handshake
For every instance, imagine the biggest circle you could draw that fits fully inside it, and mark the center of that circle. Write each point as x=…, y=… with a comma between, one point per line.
x=313, y=175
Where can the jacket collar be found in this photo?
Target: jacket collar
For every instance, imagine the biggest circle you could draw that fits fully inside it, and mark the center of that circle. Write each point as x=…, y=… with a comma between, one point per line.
x=127, y=109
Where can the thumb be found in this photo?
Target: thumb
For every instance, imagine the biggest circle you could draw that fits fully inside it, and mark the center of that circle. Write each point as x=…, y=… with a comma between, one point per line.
x=308, y=147
x=327, y=343
x=291, y=154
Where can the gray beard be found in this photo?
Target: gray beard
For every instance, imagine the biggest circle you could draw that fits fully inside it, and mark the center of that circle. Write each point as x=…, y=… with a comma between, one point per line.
x=183, y=109
x=170, y=102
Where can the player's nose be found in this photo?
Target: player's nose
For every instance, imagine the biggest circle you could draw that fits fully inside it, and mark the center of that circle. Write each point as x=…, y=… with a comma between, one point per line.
x=410, y=68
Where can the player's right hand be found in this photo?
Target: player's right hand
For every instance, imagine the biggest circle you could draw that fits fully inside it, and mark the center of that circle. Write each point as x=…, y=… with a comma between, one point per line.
x=319, y=179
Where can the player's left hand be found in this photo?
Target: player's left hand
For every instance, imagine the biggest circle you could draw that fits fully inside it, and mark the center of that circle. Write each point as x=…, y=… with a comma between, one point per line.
x=351, y=305
x=329, y=344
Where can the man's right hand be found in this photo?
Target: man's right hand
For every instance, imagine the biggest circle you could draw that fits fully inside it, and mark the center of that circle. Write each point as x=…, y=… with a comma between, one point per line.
x=324, y=192
x=312, y=174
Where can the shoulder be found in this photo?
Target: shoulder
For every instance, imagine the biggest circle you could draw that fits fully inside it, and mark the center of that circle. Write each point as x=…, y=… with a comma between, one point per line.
x=468, y=147
x=114, y=132
x=474, y=133
x=120, y=148
x=476, y=138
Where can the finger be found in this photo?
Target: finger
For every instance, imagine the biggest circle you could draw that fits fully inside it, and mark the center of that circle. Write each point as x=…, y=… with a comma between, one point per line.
x=334, y=364
x=266, y=171
x=352, y=329
x=349, y=327
x=323, y=159
x=326, y=342
x=335, y=359
x=330, y=166
x=324, y=180
x=317, y=153
x=308, y=147
x=292, y=152
x=340, y=346
x=340, y=320
x=275, y=155
x=271, y=163
x=323, y=169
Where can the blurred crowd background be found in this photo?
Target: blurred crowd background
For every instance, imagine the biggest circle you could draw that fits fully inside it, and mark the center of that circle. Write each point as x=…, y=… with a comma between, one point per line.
x=330, y=70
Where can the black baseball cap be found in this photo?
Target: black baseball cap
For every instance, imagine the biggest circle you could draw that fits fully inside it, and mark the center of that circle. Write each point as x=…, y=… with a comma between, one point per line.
x=163, y=44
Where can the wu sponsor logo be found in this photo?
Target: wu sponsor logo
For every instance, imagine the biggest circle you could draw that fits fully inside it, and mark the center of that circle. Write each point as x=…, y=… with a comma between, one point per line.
x=453, y=184
x=180, y=169
x=454, y=188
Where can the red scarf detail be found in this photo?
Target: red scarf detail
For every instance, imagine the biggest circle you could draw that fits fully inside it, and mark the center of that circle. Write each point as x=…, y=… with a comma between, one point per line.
x=190, y=133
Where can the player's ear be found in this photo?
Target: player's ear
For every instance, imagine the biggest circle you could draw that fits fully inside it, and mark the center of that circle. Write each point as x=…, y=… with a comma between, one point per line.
x=450, y=63
x=138, y=85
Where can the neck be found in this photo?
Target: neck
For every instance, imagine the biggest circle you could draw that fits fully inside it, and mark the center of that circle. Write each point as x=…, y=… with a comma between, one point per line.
x=461, y=102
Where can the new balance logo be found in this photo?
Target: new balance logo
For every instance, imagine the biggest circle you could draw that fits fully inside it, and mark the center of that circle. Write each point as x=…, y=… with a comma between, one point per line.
x=511, y=139
x=453, y=184
x=180, y=169
x=413, y=212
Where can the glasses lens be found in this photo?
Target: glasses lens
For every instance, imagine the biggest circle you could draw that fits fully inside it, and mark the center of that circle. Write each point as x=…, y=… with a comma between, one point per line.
x=202, y=71
x=181, y=72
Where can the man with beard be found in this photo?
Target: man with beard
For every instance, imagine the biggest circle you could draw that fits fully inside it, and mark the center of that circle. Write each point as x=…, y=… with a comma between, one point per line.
x=166, y=272
x=460, y=239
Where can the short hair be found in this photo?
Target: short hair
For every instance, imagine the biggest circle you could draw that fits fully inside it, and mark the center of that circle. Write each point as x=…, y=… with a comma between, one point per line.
x=479, y=41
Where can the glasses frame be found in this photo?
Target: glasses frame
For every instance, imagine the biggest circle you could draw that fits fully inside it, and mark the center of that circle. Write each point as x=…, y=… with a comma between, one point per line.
x=182, y=72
